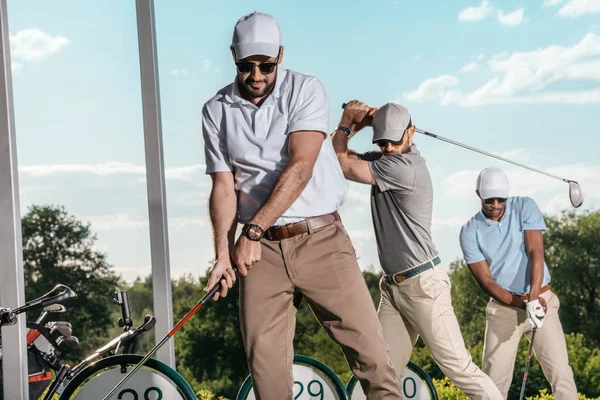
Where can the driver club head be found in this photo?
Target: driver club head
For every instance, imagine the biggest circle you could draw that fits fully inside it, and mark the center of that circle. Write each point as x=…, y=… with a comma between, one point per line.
x=575, y=194
x=71, y=342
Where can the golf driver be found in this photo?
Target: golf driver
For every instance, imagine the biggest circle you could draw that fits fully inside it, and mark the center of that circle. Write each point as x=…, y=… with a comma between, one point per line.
x=575, y=194
x=521, y=397
x=164, y=340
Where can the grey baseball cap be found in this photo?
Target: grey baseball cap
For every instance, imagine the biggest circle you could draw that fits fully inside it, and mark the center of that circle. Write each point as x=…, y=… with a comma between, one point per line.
x=390, y=122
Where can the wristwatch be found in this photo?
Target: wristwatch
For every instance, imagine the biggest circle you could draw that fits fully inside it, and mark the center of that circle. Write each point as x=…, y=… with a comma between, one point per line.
x=345, y=130
x=253, y=232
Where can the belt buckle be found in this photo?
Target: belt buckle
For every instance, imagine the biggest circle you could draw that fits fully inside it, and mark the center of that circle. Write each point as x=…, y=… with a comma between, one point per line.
x=397, y=278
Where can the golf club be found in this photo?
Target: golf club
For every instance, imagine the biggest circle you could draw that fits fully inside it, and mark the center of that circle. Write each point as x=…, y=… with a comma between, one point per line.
x=63, y=327
x=164, y=340
x=53, y=308
x=575, y=194
x=527, y=364
x=71, y=342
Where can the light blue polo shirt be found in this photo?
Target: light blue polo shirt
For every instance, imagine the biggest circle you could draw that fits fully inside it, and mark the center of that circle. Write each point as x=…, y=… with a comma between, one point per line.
x=502, y=244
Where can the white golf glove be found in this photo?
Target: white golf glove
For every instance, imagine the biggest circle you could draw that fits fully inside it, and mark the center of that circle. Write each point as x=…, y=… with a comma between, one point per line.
x=536, y=313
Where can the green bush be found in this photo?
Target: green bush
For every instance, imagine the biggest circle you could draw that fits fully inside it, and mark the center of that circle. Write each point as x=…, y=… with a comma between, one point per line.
x=447, y=391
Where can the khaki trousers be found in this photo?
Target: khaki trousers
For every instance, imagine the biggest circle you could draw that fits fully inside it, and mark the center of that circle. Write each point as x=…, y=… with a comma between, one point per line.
x=504, y=328
x=421, y=305
x=322, y=265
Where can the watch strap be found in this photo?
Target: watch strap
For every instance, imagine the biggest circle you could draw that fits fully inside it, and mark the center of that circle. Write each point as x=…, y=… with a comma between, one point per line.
x=347, y=131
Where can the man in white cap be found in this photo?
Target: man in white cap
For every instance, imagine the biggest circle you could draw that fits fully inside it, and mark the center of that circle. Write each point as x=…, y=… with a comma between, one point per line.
x=415, y=290
x=274, y=170
x=503, y=247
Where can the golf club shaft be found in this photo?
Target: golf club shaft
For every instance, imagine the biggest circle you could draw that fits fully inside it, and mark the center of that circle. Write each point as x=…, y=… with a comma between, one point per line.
x=489, y=154
x=485, y=153
x=521, y=397
x=164, y=340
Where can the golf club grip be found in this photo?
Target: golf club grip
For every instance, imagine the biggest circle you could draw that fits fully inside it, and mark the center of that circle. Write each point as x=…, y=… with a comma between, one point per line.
x=216, y=288
x=368, y=116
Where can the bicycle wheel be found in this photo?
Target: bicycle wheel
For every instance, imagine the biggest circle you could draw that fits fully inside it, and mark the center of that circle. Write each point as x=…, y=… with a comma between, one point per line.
x=154, y=381
x=312, y=380
x=416, y=384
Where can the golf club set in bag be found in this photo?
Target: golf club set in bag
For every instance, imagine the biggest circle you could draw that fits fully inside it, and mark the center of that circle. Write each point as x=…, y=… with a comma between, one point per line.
x=44, y=340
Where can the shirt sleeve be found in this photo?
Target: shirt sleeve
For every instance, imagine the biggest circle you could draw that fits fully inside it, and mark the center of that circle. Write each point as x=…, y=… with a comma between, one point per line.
x=312, y=110
x=393, y=173
x=532, y=218
x=215, y=145
x=470, y=248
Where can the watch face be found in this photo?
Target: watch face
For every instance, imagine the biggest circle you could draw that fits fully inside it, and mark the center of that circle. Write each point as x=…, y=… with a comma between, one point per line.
x=254, y=233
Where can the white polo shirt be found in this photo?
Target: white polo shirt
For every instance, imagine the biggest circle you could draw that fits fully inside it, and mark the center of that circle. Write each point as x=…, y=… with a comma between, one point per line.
x=253, y=143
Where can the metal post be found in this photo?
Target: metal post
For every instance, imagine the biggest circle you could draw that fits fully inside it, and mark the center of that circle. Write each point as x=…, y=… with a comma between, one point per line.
x=12, y=285
x=155, y=178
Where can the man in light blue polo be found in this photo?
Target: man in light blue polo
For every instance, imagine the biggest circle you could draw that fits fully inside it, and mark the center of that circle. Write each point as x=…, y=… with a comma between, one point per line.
x=503, y=248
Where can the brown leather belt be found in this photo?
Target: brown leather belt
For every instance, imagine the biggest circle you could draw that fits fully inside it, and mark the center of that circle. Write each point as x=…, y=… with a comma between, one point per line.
x=300, y=227
x=526, y=295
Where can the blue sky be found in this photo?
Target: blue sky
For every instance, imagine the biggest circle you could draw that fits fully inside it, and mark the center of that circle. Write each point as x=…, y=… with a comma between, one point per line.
x=521, y=79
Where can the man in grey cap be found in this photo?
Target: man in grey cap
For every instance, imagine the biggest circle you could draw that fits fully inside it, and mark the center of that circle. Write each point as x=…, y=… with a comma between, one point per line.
x=504, y=250
x=274, y=170
x=415, y=290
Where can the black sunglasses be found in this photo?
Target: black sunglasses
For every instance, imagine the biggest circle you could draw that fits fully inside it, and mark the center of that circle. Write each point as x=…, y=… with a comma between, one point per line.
x=384, y=142
x=264, y=68
x=491, y=200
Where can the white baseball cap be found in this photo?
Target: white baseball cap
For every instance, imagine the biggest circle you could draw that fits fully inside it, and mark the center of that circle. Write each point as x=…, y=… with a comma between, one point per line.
x=256, y=33
x=390, y=122
x=492, y=182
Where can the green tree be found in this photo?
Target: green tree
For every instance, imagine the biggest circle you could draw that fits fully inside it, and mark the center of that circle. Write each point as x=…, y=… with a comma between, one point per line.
x=469, y=303
x=58, y=248
x=573, y=258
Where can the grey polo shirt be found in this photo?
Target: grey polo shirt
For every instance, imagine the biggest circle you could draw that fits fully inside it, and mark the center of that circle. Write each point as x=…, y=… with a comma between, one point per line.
x=401, y=206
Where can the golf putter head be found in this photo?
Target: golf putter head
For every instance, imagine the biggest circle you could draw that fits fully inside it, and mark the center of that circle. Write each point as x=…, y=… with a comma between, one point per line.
x=575, y=194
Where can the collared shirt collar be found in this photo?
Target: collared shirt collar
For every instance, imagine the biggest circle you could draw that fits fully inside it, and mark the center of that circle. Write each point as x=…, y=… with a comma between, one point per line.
x=489, y=222
x=233, y=94
x=413, y=150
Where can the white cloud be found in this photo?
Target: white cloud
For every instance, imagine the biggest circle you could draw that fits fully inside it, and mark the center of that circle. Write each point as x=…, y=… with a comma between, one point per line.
x=186, y=173
x=475, y=13
x=551, y=3
x=511, y=19
x=434, y=88
x=480, y=56
x=115, y=221
x=35, y=44
x=416, y=58
x=575, y=8
x=524, y=77
x=438, y=224
x=470, y=67
x=16, y=68
x=179, y=72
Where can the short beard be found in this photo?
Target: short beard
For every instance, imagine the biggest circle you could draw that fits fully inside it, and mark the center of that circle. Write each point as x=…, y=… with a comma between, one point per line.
x=246, y=92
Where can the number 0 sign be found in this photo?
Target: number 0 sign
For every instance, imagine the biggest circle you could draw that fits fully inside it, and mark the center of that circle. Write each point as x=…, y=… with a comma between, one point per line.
x=415, y=385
